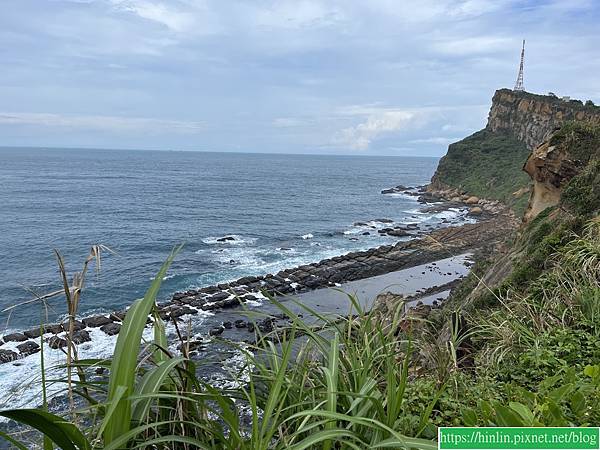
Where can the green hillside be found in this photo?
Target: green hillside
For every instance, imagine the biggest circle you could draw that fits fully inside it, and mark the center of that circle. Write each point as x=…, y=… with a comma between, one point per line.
x=487, y=165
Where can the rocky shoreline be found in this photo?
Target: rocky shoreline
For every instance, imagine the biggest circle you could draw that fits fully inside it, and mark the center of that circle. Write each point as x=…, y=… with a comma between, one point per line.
x=426, y=247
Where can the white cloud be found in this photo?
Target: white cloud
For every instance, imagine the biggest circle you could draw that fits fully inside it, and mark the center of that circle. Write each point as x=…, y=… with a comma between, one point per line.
x=172, y=18
x=475, y=45
x=102, y=123
x=359, y=137
x=298, y=14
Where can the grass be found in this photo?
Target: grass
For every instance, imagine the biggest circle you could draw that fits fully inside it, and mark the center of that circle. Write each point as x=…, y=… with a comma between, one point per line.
x=488, y=165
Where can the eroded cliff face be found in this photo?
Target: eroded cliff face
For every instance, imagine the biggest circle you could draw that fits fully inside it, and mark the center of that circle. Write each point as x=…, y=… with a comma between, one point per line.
x=573, y=151
x=550, y=168
x=532, y=118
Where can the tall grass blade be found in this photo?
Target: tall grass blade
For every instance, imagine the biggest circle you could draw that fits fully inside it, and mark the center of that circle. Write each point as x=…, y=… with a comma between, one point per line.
x=123, y=367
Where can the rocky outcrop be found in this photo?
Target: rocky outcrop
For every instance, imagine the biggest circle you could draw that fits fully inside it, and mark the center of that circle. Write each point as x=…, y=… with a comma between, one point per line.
x=553, y=164
x=488, y=163
x=550, y=168
x=531, y=118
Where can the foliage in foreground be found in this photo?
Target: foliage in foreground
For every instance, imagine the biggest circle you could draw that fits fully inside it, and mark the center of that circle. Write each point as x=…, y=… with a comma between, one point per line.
x=530, y=358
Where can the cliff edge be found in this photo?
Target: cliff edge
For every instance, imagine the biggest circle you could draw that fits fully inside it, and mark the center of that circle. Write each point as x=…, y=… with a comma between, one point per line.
x=489, y=163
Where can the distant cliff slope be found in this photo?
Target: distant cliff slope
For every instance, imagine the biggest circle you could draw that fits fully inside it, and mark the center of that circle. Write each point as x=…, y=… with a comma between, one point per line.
x=489, y=163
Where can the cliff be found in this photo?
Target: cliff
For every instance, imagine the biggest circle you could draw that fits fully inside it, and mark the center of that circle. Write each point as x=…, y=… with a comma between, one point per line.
x=489, y=163
x=530, y=118
x=565, y=172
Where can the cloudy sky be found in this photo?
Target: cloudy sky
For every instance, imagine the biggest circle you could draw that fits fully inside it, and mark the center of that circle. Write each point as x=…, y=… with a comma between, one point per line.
x=402, y=77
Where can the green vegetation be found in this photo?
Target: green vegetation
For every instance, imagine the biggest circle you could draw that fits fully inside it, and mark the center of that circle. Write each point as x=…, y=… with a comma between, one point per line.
x=488, y=165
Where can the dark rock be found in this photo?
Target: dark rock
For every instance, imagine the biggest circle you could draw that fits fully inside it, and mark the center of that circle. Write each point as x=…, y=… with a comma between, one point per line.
x=77, y=325
x=111, y=328
x=219, y=296
x=81, y=336
x=227, y=325
x=226, y=239
x=398, y=232
x=7, y=356
x=55, y=342
x=36, y=332
x=247, y=280
x=251, y=327
x=181, y=311
x=240, y=323
x=216, y=331
x=15, y=337
x=28, y=348
x=117, y=316
x=179, y=295
x=96, y=321
x=209, y=290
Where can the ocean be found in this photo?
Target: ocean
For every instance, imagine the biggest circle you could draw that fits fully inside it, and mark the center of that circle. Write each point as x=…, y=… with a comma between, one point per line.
x=278, y=211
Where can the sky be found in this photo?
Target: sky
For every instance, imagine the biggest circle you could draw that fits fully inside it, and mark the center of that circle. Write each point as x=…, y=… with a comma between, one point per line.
x=360, y=77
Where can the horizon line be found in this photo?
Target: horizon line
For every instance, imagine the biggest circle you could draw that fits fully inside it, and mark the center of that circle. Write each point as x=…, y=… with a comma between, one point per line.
x=34, y=147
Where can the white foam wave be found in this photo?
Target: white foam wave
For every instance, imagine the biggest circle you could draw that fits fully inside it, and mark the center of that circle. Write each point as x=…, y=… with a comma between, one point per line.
x=21, y=379
x=231, y=239
x=307, y=236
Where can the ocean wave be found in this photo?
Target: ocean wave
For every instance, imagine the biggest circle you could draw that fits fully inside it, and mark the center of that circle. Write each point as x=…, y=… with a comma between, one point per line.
x=307, y=236
x=21, y=379
x=231, y=239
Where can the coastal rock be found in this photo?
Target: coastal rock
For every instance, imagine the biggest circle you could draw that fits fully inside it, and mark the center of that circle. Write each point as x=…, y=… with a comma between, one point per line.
x=28, y=348
x=475, y=211
x=216, y=331
x=15, y=337
x=219, y=296
x=81, y=336
x=473, y=200
x=37, y=331
x=56, y=342
x=396, y=189
x=77, y=325
x=226, y=239
x=111, y=328
x=96, y=321
x=178, y=311
x=7, y=356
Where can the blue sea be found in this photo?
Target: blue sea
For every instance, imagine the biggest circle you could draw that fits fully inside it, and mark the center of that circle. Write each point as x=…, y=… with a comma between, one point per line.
x=279, y=211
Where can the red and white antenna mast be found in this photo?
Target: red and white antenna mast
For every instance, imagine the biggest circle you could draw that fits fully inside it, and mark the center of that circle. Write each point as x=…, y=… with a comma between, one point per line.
x=519, y=83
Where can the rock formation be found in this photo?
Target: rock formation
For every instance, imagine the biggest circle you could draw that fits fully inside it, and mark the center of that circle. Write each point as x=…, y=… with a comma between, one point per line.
x=531, y=118
x=488, y=163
